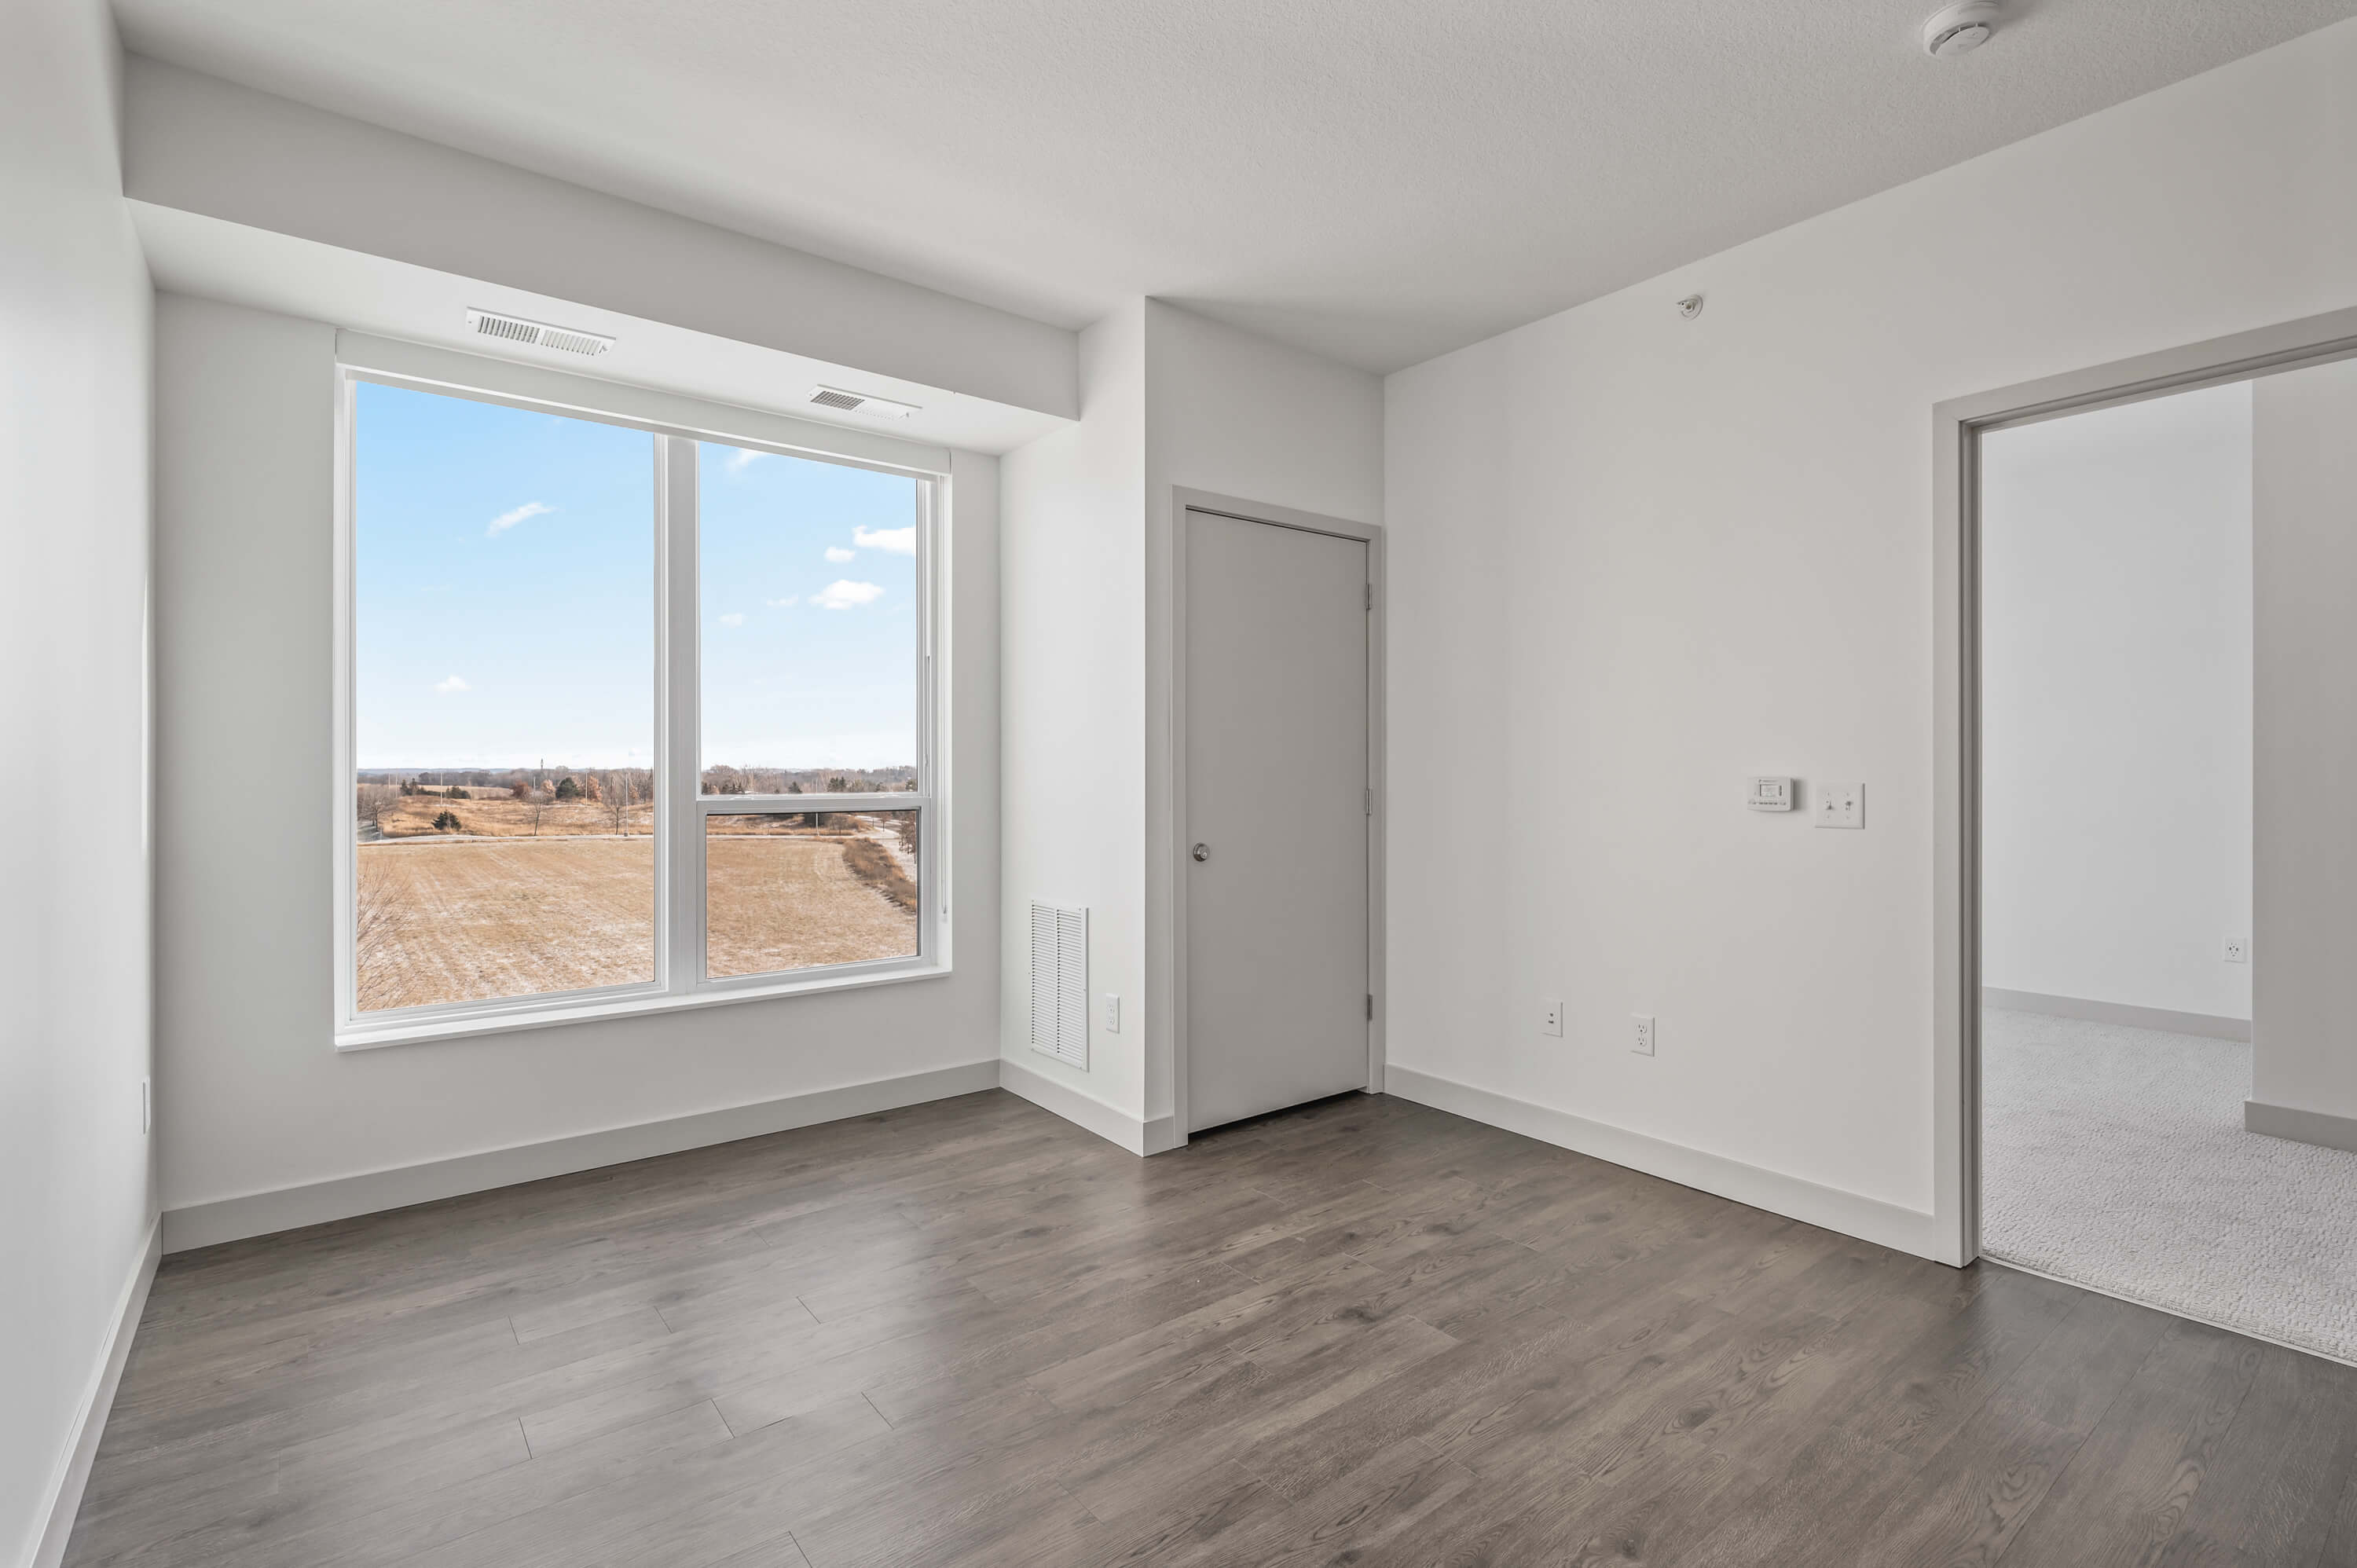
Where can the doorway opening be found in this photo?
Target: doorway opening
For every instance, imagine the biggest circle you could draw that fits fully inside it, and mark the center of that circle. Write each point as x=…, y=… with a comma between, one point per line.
x=2157, y=892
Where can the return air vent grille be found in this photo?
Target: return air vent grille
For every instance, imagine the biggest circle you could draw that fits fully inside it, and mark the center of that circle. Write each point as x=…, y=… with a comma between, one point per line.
x=573, y=342
x=506, y=326
x=1060, y=984
x=863, y=403
x=537, y=333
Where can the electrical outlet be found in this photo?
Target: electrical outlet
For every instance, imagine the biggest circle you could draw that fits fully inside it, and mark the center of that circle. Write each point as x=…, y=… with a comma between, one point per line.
x=1840, y=805
x=1111, y=1006
x=1551, y=1020
x=2238, y=950
x=1645, y=1041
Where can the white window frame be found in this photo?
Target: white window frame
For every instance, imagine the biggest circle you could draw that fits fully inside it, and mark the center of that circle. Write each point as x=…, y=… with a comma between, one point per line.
x=678, y=424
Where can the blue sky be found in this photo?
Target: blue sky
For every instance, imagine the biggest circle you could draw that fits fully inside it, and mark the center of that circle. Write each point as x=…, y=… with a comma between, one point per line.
x=504, y=595
x=809, y=581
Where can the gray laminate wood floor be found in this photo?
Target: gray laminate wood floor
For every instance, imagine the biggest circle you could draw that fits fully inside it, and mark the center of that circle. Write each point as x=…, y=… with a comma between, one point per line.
x=1361, y=1332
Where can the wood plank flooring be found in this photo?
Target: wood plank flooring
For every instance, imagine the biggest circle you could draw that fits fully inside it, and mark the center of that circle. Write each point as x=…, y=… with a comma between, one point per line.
x=1362, y=1332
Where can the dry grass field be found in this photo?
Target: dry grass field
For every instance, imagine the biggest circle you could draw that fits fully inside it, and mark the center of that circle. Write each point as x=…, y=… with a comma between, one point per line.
x=448, y=918
x=496, y=814
x=779, y=902
x=466, y=919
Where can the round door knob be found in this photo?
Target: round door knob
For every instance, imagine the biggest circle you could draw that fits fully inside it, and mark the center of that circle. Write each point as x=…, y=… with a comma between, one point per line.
x=1202, y=852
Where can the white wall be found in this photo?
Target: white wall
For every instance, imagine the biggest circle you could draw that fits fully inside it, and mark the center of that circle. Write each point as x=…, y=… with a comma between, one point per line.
x=2115, y=704
x=256, y=1100
x=1072, y=649
x=76, y=1189
x=1635, y=558
x=1170, y=398
x=200, y=145
x=2305, y=1017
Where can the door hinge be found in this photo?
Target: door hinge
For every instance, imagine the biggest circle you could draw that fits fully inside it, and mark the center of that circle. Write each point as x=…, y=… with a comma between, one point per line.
x=1369, y=802
x=1370, y=1003
x=1370, y=594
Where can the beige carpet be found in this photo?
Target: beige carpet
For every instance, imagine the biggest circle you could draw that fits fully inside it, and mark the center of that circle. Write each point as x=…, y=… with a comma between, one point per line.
x=2115, y=1158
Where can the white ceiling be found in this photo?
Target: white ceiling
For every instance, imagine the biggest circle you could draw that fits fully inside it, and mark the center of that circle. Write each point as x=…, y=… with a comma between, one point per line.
x=1379, y=181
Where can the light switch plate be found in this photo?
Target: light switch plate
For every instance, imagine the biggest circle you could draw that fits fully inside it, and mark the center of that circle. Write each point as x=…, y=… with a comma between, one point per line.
x=1841, y=805
x=1768, y=794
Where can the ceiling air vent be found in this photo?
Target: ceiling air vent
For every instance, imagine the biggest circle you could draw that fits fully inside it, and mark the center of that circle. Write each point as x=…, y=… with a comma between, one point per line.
x=537, y=333
x=848, y=402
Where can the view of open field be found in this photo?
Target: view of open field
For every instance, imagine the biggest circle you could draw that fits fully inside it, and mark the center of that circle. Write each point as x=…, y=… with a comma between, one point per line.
x=777, y=901
x=466, y=919
x=515, y=897
x=502, y=586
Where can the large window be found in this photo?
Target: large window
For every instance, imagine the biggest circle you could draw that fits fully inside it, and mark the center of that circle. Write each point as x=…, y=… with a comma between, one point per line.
x=630, y=716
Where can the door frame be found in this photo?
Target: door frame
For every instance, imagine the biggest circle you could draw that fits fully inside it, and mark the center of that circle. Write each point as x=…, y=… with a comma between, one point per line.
x=1957, y=427
x=1183, y=501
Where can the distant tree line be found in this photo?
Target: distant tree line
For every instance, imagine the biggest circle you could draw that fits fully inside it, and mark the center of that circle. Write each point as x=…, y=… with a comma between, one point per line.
x=725, y=779
x=499, y=780
x=614, y=792
x=552, y=783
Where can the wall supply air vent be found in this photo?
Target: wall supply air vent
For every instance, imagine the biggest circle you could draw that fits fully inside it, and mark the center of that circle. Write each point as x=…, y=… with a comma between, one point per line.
x=836, y=397
x=1060, y=984
x=537, y=333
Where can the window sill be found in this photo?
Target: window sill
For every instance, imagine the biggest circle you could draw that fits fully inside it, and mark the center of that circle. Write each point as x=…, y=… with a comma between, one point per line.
x=365, y=1037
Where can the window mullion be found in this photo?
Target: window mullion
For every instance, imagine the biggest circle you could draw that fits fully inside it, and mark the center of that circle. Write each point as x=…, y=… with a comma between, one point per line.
x=682, y=827
x=346, y=840
x=932, y=865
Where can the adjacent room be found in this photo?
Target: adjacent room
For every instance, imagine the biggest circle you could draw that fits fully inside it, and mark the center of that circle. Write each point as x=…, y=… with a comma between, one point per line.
x=1175, y=783
x=2158, y=1095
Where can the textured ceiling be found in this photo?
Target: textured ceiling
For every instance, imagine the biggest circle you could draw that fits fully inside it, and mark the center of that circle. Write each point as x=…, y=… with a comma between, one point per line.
x=1380, y=181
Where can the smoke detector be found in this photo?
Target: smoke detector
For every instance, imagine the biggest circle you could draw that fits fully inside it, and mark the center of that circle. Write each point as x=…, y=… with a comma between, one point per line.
x=1959, y=29
x=862, y=402
x=537, y=333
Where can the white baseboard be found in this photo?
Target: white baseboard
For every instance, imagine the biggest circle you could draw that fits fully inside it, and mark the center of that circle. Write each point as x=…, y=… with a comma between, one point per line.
x=98, y=1401
x=263, y=1213
x=373, y=1192
x=2167, y=1020
x=2320, y=1128
x=1109, y=1122
x=1852, y=1214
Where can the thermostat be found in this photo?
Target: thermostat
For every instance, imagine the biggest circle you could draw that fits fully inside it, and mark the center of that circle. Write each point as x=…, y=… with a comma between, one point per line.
x=1770, y=795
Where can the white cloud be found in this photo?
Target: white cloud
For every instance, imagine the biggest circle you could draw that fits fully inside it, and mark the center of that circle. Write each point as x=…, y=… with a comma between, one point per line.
x=508, y=519
x=734, y=617
x=841, y=595
x=898, y=540
x=838, y=554
x=788, y=602
x=455, y=684
x=743, y=459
